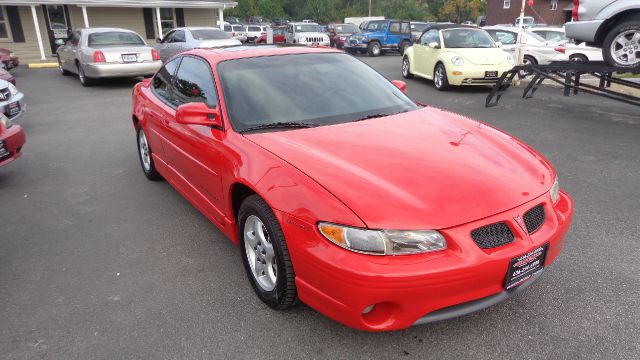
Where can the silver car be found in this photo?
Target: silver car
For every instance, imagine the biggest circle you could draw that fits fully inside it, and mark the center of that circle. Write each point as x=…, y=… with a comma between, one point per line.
x=95, y=53
x=536, y=49
x=11, y=100
x=236, y=31
x=186, y=38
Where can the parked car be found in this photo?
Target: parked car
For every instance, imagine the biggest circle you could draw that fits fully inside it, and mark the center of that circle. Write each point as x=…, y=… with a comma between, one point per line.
x=338, y=33
x=187, y=38
x=254, y=31
x=236, y=31
x=379, y=36
x=527, y=21
x=577, y=53
x=11, y=100
x=5, y=75
x=613, y=25
x=95, y=53
x=417, y=28
x=358, y=20
x=257, y=20
x=8, y=59
x=278, y=36
x=314, y=165
x=280, y=22
x=536, y=49
x=305, y=34
x=233, y=20
x=456, y=55
x=12, y=139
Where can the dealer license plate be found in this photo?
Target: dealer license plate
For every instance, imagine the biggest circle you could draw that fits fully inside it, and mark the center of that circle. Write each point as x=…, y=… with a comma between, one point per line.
x=129, y=57
x=525, y=266
x=13, y=109
x=3, y=150
x=490, y=74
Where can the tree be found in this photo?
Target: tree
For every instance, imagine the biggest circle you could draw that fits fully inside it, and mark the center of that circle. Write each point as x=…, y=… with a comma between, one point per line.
x=458, y=11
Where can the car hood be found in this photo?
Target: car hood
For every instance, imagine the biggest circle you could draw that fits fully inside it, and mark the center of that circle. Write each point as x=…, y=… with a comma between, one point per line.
x=425, y=169
x=479, y=56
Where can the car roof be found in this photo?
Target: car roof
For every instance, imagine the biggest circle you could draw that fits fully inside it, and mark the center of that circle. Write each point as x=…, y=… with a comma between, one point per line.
x=546, y=28
x=91, y=30
x=303, y=23
x=216, y=55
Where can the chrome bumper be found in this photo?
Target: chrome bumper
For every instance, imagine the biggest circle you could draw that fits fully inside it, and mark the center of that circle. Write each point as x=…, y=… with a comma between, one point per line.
x=110, y=70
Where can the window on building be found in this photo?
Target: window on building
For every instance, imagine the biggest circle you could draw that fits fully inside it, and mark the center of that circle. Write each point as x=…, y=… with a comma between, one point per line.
x=167, y=19
x=506, y=4
x=554, y=4
x=4, y=24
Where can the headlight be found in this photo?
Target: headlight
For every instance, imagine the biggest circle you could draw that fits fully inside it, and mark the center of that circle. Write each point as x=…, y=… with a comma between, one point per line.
x=342, y=38
x=383, y=242
x=555, y=191
x=457, y=60
x=12, y=55
x=510, y=59
x=5, y=121
x=13, y=89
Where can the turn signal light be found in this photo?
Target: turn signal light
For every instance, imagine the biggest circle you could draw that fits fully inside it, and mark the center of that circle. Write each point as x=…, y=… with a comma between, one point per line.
x=155, y=55
x=98, y=57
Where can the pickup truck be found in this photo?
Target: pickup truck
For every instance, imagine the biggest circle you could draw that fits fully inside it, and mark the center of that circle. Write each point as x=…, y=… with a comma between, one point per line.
x=613, y=25
x=379, y=36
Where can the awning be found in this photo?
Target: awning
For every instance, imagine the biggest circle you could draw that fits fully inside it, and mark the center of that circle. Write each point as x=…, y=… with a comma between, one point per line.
x=219, y=4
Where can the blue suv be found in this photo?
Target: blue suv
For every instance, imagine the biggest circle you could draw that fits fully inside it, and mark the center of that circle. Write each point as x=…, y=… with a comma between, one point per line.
x=379, y=36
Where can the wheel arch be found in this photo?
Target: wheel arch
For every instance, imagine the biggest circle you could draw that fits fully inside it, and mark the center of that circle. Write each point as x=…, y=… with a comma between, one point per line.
x=616, y=19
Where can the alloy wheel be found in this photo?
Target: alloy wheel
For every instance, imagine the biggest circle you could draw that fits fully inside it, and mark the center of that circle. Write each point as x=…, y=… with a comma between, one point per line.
x=405, y=67
x=260, y=253
x=439, y=78
x=145, y=156
x=625, y=48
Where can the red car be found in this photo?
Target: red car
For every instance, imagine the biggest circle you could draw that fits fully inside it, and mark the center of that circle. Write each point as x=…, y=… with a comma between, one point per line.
x=376, y=211
x=11, y=140
x=278, y=36
x=5, y=75
x=338, y=33
x=8, y=59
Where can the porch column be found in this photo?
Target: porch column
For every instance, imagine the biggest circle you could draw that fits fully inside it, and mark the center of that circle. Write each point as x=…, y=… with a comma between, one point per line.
x=84, y=16
x=220, y=19
x=158, y=23
x=35, y=22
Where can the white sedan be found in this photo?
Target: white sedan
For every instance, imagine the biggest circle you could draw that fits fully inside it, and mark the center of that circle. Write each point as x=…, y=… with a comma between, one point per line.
x=536, y=49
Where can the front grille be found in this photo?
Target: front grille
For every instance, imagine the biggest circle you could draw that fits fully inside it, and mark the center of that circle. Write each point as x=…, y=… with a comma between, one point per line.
x=492, y=236
x=314, y=39
x=534, y=218
x=5, y=94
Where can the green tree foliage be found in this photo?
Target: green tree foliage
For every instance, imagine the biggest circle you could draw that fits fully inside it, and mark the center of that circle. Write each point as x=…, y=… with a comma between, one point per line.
x=458, y=11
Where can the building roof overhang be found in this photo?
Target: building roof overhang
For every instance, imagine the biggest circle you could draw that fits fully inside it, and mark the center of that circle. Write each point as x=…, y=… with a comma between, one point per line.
x=218, y=4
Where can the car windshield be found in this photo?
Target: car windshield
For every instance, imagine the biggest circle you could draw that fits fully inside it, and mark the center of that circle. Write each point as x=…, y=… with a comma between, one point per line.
x=209, y=34
x=347, y=28
x=467, y=38
x=418, y=27
x=237, y=27
x=283, y=89
x=376, y=25
x=307, y=28
x=114, y=38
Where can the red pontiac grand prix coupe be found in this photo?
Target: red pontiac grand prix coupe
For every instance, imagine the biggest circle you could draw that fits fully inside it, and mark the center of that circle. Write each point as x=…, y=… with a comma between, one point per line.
x=376, y=211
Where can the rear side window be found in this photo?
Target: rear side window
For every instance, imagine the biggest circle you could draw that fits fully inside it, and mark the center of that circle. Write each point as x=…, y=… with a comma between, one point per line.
x=253, y=28
x=194, y=83
x=164, y=77
x=505, y=37
x=210, y=34
x=114, y=38
x=178, y=36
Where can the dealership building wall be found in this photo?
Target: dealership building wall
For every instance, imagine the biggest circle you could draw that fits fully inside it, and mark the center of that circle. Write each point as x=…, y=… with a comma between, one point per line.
x=550, y=12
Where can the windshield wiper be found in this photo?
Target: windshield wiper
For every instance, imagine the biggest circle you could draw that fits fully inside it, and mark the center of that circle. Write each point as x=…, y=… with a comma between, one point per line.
x=373, y=116
x=282, y=124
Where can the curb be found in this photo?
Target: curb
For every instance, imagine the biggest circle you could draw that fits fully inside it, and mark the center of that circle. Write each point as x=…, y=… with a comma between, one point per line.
x=43, y=65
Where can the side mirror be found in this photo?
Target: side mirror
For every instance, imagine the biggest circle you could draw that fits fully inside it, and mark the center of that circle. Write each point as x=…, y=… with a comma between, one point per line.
x=400, y=85
x=434, y=45
x=198, y=113
x=59, y=42
x=498, y=44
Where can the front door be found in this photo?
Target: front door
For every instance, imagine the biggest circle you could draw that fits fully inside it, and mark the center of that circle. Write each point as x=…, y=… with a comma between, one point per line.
x=56, y=18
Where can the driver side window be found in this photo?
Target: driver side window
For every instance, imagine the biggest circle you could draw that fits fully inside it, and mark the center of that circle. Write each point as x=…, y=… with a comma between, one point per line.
x=179, y=36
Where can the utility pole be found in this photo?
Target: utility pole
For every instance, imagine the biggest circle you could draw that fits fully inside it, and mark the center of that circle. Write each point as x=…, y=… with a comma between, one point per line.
x=369, y=8
x=520, y=47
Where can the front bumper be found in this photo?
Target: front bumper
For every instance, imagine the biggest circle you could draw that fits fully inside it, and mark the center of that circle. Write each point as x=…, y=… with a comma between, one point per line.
x=4, y=105
x=111, y=70
x=463, y=75
x=13, y=139
x=416, y=289
x=583, y=30
x=355, y=45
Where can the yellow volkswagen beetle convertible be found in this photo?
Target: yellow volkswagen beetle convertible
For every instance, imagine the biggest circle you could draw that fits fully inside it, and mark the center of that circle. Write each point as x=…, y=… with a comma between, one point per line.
x=451, y=54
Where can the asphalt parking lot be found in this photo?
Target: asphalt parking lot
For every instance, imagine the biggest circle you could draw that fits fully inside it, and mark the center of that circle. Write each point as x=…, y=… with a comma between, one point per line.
x=96, y=262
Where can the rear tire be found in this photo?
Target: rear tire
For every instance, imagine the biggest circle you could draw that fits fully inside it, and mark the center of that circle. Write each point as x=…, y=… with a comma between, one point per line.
x=621, y=47
x=406, y=68
x=440, y=80
x=374, y=49
x=265, y=254
x=84, y=80
x=578, y=58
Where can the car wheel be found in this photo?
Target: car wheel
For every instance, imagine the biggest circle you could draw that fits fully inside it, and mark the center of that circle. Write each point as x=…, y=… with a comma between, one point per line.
x=403, y=46
x=84, y=80
x=527, y=60
x=621, y=47
x=406, y=68
x=338, y=46
x=265, y=254
x=374, y=48
x=146, y=160
x=62, y=70
x=440, y=80
x=578, y=58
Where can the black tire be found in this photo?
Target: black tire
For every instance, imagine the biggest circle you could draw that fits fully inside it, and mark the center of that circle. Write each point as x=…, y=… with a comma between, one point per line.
x=578, y=58
x=285, y=294
x=374, y=49
x=630, y=27
x=403, y=46
x=84, y=80
x=528, y=60
x=338, y=46
x=406, y=68
x=62, y=71
x=150, y=170
x=443, y=84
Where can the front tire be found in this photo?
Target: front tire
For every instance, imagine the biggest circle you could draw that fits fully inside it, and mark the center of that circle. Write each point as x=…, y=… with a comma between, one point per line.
x=621, y=47
x=146, y=158
x=440, y=79
x=406, y=68
x=374, y=49
x=265, y=254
